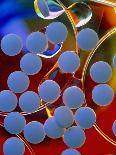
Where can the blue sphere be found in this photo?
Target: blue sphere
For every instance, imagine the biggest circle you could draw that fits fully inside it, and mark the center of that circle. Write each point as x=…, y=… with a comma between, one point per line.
x=37, y=42
x=74, y=137
x=114, y=61
x=18, y=82
x=73, y=97
x=64, y=116
x=29, y=102
x=30, y=64
x=13, y=146
x=8, y=101
x=34, y=132
x=70, y=152
x=69, y=62
x=85, y=117
x=56, y=32
x=52, y=129
x=49, y=91
x=14, y=123
x=11, y=44
x=101, y=72
x=87, y=39
x=114, y=127
x=98, y=94
x=43, y=6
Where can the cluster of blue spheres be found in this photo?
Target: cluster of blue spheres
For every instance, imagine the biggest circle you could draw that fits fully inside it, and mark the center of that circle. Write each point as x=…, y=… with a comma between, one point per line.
x=69, y=120
x=18, y=83
x=69, y=124
x=101, y=73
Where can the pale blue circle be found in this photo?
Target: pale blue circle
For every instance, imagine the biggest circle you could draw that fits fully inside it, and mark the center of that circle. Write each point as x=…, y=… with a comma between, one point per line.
x=8, y=101
x=101, y=72
x=34, y=132
x=64, y=116
x=30, y=64
x=102, y=94
x=52, y=129
x=73, y=97
x=14, y=123
x=43, y=6
x=85, y=117
x=74, y=137
x=114, y=61
x=49, y=91
x=69, y=62
x=37, y=42
x=56, y=32
x=29, y=102
x=87, y=39
x=11, y=44
x=13, y=146
x=18, y=82
x=114, y=127
x=70, y=152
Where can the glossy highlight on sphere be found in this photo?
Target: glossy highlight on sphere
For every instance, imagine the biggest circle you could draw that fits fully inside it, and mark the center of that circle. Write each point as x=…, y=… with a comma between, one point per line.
x=85, y=117
x=69, y=62
x=29, y=102
x=49, y=91
x=87, y=39
x=63, y=116
x=56, y=32
x=114, y=127
x=52, y=129
x=42, y=4
x=34, y=132
x=11, y=44
x=8, y=101
x=14, y=123
x=30, y=64
x=74, y=137
x=70, y=152
x=18, y=82
x=36, y=42
x=13, y=146
x=80, y=12
x=98, y=94
x=73, y=97
x=101, y=72
x=55, y=10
